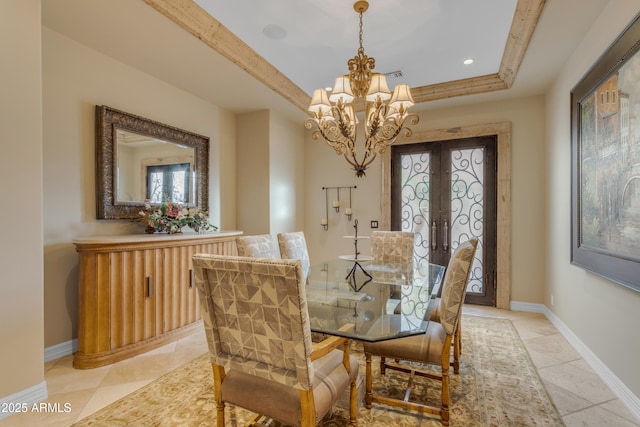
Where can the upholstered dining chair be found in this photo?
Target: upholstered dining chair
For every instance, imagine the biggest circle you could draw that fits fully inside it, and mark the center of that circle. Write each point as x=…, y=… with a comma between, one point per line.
x=257, y=328
x=294, y=246
x=257, y=246
x=434, y=316
x=431, y=348
x=392, y=246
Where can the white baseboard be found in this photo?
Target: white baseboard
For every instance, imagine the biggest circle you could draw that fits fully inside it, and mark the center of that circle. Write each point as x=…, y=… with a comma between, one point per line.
x=38, y=393
x=23, y=400
x=527, y=306
x=626, y=396
x=59, y=350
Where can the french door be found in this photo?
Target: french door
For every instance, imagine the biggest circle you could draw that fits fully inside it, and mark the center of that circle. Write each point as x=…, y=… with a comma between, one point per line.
x=445, y=192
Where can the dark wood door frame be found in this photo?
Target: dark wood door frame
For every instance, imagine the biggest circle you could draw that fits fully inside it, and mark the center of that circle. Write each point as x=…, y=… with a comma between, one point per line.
x=503, y=132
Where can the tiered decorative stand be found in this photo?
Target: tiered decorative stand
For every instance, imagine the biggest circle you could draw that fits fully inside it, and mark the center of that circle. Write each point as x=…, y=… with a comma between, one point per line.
x=356, y=258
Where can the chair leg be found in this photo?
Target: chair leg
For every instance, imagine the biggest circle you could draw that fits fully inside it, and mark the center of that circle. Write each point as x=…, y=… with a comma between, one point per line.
x=218, y=377
x=353, y=405
x=383, y=366
x=220, y=416
x=307, y=408
x=444, y=413
x=368, y=382
x=457, y=348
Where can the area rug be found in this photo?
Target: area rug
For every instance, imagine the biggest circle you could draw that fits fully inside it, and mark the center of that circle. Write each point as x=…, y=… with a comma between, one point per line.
x=498, y=385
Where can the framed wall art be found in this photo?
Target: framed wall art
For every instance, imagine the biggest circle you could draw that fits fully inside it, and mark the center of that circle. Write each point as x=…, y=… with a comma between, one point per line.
x=605, y=169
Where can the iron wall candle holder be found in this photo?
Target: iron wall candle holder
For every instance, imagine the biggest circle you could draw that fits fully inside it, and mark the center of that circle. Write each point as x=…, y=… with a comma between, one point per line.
x=348, y=211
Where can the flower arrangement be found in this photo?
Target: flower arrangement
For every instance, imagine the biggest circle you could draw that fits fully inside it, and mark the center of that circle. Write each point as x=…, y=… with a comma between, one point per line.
x=172, y=217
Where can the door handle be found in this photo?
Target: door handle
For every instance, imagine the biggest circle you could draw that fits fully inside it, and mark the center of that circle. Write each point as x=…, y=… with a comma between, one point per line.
x=149, y=286
x=445, y=238
x=191, y=278
x=434, y=236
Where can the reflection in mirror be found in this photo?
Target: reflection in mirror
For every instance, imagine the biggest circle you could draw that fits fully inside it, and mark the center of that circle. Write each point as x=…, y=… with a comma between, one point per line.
x=140, y=161
x=153, y=170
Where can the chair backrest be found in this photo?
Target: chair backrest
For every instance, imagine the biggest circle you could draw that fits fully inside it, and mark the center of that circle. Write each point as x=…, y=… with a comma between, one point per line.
x=255, y=316
x=454, y=285
x=294, y=246
x=258, y=246
x=392, y=246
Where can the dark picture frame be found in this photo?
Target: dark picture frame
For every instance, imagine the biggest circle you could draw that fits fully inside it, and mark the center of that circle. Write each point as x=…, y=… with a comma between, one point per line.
x=108, y=122
x=605, y=163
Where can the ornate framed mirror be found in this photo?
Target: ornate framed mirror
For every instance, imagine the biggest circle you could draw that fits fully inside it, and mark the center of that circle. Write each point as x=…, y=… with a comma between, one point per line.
x=140, y=161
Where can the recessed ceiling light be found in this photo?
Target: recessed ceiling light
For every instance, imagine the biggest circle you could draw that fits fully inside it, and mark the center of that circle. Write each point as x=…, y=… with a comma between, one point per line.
x=468, y=61
x=274, y=32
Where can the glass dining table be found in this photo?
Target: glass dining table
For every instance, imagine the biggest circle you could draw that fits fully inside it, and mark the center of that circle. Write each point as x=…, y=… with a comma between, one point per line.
x=371, y=301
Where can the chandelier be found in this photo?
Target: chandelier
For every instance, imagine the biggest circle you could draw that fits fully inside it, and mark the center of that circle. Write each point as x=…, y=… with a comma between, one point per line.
x=334, y=116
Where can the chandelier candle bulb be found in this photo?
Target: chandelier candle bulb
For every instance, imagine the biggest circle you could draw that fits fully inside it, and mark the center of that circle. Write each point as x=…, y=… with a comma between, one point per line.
x=378, y=88
x=324, y=221
x=320, y=103
x=401, y=98
x=342, y=90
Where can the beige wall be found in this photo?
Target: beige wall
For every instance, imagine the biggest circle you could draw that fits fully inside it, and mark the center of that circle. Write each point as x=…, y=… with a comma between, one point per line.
x=223, y=185
x=270, y=173
x=252, y=172
x=75, y=80
x=21, y=323
x=602, y=314
x=286, y=160
x=325, y=168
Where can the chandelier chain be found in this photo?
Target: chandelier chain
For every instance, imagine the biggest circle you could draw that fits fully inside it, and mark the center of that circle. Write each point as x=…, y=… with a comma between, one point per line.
x=361, y=48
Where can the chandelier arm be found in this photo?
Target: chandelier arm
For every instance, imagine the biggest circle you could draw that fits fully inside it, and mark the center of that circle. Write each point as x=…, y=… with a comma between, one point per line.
x=381, y=143
x=391, y=129
x=351, y=159
x=373, y=124
x=335, y=134
x=369, y=157
x=329, y=134
x=347, y=130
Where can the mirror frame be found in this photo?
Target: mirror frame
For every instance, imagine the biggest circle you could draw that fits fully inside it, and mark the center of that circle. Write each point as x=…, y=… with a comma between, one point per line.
x=107, y=121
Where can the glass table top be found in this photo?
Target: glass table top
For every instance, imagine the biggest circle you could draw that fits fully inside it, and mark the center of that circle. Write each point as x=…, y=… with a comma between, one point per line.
x=371, y=301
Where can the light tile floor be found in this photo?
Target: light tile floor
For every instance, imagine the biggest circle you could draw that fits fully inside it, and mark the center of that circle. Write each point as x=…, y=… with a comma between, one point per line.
x=578, y=393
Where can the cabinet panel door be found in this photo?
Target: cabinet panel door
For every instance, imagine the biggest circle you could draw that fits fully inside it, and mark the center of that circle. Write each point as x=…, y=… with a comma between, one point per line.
x=132, y=297
x=94, y=303
x=171, y=289
x=181, y=306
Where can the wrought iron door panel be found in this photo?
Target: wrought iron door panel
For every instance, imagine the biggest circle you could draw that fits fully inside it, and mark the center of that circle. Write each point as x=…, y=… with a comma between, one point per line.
x=467, y=207
x=415, y=216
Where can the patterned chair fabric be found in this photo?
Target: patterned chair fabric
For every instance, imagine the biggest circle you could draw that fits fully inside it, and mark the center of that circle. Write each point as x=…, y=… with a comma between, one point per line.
x=258, y=246
x=392, y=246
x=435, y=316
x=455, y=285
x=294, y=246
x=434, y=346
x=257, y=327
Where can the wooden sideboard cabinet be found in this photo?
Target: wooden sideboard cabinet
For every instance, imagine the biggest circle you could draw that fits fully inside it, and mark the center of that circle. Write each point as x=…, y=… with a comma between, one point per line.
x=136, y=292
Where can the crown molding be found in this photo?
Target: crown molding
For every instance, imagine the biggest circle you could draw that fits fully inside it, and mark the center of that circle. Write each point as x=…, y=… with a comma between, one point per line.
x=210, y=31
